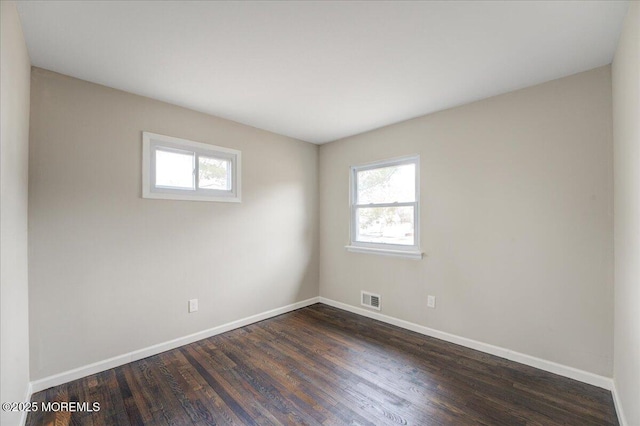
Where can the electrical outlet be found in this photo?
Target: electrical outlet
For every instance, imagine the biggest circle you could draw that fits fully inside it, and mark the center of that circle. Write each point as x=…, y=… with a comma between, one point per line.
x=431, y=301
x=193, y=305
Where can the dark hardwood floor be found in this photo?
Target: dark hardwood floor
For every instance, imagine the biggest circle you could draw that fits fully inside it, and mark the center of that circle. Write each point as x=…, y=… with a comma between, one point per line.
x=321, y=365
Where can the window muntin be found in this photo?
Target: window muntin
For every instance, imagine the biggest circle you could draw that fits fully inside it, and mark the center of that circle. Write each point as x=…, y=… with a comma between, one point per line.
x=384, y=205
x=180, y=169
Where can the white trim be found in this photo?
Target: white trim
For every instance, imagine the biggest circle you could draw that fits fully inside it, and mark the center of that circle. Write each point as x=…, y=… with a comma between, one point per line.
x=96, y=367
x=562, y=370
x=550, y=366
x=416, y=255
x=150, y=143
x=384, y=248
x=618, y=404
x=188, y=197
x=27, y=398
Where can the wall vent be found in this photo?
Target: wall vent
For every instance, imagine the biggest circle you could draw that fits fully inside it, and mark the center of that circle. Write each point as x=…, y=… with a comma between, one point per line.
x=370, y=300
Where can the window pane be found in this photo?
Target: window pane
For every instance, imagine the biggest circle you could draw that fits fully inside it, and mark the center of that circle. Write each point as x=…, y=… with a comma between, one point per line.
x=214, y=173
x=388, y=225
x=387, y=184
x=174, y=169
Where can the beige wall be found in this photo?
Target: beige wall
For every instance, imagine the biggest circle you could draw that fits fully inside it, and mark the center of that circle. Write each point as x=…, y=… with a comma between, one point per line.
x=517, y=226
x=111, y=272
x=626, y=136
x=517, y=223
x=14, y=148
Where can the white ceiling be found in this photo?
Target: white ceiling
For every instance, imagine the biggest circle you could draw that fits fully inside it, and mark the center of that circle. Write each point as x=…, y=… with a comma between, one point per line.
x=320, y=71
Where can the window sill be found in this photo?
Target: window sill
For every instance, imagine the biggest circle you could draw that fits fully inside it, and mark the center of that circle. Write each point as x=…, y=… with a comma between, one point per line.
x=188, y=197
x=416, y=255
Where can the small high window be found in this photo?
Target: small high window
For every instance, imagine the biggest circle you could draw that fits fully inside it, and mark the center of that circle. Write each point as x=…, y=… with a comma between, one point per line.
x=385, y=207
x=179, y=169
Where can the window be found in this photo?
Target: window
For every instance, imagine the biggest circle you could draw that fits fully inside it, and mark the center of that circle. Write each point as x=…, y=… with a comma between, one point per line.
x=179, y=169
x=385, y=208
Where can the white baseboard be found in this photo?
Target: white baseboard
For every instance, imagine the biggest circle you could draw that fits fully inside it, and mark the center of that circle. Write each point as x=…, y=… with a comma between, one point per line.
x=27, y=398
x=618, y=404
x=552, y=367
x=96, y=367
x=562, y=370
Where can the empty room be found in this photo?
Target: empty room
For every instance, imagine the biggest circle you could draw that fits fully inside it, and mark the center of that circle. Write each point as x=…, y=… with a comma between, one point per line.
x=320, y=212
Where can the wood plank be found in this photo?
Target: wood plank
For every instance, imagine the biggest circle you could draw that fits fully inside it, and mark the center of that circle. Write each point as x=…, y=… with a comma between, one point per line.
x=323, y=366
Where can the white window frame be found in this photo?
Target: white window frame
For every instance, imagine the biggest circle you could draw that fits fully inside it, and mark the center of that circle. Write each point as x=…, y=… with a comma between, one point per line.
x=398, y=250
x=152, y=142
